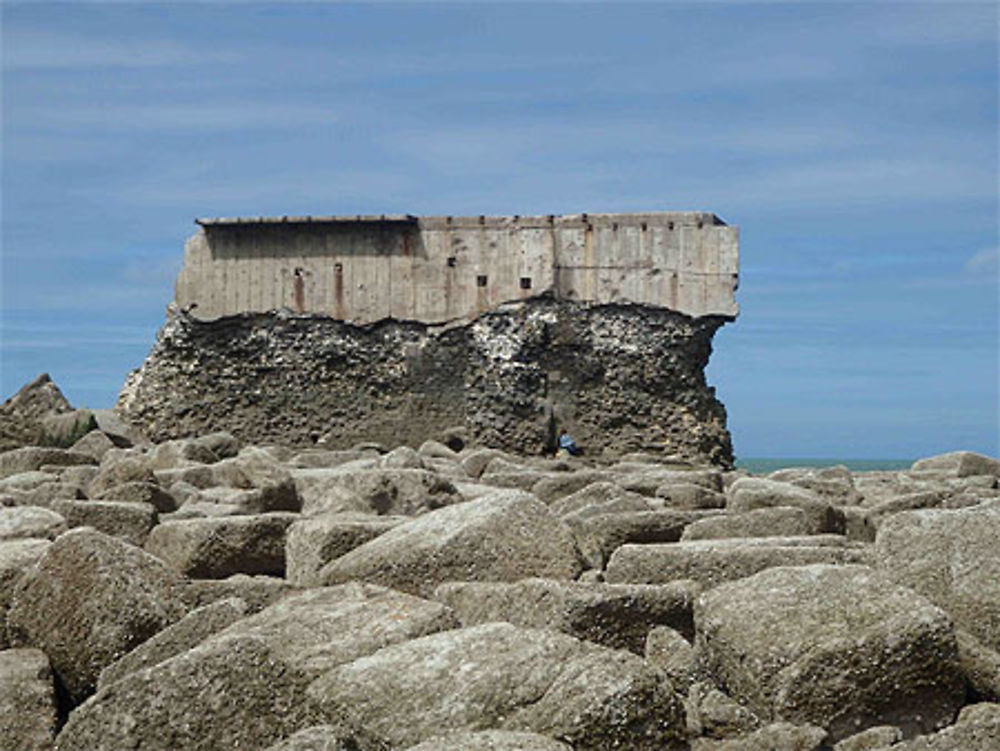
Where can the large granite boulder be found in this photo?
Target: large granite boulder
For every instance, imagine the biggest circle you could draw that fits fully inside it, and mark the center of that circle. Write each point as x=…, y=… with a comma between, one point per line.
x=749, y=493
x=129, y=521
x=18, y=522
x=712, y=562
x=219, y=547
x=505, y=536
x=600, y=535
x=501, y=676
x=16, y=558
x=178, y=637
x=950, y=557
x=491, y=740
x=313, y=542
x=380, y=491
x=90, y=599
x=959, y=464
x=30, y=458
x=27, y=701
x=836, y=646
x=618, y=616
x=245, y=686
x=775, y=521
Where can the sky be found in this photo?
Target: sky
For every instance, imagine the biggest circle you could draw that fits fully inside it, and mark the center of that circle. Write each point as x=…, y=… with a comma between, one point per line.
x=854, y=144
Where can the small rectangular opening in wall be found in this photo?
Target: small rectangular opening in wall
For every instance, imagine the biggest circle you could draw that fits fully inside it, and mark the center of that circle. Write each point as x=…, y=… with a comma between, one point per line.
x=525, y=282
x=670, y=225
x=452, y=261
x=481, y=280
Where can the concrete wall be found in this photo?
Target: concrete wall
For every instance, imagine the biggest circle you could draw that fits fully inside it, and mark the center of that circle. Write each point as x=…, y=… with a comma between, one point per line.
x=437, y=269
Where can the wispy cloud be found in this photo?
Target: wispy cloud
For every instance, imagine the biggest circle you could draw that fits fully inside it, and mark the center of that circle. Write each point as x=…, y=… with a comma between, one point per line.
x=35, y=49
x=985, y=261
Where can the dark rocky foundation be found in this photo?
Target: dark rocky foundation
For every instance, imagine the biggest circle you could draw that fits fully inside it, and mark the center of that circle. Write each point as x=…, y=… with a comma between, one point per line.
x=620, y=378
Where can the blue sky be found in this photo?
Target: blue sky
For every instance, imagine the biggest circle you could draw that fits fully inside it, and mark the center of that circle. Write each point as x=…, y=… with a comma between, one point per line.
x=854, y=144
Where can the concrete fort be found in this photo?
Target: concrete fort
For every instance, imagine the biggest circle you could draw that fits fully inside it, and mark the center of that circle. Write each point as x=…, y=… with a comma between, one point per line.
x=500, y=330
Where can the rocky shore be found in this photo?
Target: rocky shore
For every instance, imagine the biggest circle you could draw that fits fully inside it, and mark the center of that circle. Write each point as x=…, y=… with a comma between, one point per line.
x=205, y=593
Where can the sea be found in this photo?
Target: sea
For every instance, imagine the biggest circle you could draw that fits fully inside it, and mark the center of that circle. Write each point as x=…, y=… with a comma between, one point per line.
x=764, y=466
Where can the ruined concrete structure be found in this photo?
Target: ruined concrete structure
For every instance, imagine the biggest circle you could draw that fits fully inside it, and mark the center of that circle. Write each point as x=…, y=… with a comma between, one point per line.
x=436, y=269
x=400, y=328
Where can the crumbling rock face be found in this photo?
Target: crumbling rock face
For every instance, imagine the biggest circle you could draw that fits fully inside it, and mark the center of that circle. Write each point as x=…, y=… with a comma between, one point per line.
x=621, y=378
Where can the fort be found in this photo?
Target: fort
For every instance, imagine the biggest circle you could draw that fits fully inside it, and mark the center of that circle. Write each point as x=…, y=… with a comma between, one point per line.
x=499, y=330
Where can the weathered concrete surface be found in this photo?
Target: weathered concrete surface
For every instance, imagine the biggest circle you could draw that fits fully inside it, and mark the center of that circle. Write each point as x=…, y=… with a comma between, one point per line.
x=620, y=377
x=436, y=269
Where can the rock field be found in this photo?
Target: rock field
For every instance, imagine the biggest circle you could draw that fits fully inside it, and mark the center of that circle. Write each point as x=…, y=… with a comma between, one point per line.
x=201, y=593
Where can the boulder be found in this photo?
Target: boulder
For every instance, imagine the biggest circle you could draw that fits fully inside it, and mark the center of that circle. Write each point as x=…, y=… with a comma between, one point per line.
x=279, y=497
x=872, y=738
x=181, y=452
x=618, y=616
x=959, y=464
x=778, y=736
x=711, y=562
x=222, y=546
x=140, y=492
x=16, y=558
x=687, y=495
x=96, y=443
x=651, y=479
x=980, y=667
x=600, y=497
x=382, y=491
x=491, y=740
x=27, y=701
x=475, y=462
x=245, y=686
x=833, y=484
x=18, y=522
x=500, y=676
x=600, y=535
x=21, y=415
x=505, y=536
x=836, y=646
x=749, y=493
x=312, y=543
x=951, y=558
x=65, y=428
x=31, y=458
x=977, y=729
x=401, y=457
x=777, y=521
x=561, y=484
x=129, y=521
x=118, y=470
x=713, y=714
x=90, y=599
x=221, y=443
x=317, y=738
x=669, y=651
x=188, y=632
x=258, y=592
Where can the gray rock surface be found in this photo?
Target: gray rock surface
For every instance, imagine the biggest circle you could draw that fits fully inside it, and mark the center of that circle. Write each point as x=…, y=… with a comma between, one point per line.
x=712, y=562
x=778, y=736
x=668, y=650
x=749, y=493
x=836, y=646
x=16, y=558
x=600, y=535
x=129, y=521
x=245, y=686
x=618, y=616
x=977, y=729
x=19, y=522
x=951, y=558
x=959, y=464
x=220, y=547
x=776, y=521
x=140, y=492
x=500, y=676
x=27, y=701
x=31, y=458
x=317, y=738
x=90, y=599
x=491, y=740
x=184, y=634
x=312, y=543
x=505, y=536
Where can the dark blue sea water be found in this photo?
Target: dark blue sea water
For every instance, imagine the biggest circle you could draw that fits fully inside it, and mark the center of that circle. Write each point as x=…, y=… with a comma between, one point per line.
x=763, y=466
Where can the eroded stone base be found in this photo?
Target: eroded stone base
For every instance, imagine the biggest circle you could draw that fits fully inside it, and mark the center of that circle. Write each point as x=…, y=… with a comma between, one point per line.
x=619, y=378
